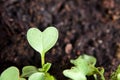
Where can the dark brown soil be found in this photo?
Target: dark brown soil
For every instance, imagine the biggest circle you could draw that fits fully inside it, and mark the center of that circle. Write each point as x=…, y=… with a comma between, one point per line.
x=85, y=26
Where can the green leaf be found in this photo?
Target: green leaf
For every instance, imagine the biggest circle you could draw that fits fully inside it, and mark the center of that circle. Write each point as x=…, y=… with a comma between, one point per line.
x=11, y=73
x=42, y=41
x=22, y=79
x=84, y=66
x=37, y=76
x=116, y=75
x=49, y=77
x=89, y=59
x=79, y=71
x=99, y=72
x=74, y=74
x=28, y=70
x=45, y=67
x=84, y=62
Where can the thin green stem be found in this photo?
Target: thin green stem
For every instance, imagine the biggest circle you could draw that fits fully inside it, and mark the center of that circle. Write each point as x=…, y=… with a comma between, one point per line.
x=42, y=59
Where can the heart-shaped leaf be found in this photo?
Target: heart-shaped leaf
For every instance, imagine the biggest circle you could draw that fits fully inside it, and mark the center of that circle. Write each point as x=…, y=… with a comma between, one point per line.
x=42, y=41
x=12, y=73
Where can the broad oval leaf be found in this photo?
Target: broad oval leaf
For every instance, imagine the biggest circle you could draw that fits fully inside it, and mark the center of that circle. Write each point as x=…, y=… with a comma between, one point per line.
x=28, y=70
x=42, y=41
x=11, y=73
x=37, y=76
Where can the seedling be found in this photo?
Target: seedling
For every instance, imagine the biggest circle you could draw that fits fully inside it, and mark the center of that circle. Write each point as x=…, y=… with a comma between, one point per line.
x=84, y=66
x=41, y=42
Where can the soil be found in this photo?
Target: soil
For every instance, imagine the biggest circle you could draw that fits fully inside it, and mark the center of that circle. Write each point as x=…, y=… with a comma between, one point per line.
x=85, y=26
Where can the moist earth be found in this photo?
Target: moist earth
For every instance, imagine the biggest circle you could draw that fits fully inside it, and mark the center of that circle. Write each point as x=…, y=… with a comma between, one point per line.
x=85, y=27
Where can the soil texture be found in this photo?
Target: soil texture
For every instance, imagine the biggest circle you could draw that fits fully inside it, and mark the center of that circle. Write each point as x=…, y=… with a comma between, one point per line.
x=85, y=26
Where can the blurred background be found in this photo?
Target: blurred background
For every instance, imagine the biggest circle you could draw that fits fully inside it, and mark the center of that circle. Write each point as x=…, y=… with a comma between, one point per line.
x=85, y=26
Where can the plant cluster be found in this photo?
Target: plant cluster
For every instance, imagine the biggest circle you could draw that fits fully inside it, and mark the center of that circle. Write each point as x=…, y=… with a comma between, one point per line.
x=84, y=65
x=41, y=42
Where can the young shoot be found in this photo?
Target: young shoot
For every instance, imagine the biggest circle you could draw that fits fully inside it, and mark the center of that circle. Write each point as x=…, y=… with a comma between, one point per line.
x=84, y=66
x=42, y=41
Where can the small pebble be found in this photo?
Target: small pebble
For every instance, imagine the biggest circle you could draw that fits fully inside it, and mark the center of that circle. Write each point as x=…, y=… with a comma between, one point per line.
x=68, y=48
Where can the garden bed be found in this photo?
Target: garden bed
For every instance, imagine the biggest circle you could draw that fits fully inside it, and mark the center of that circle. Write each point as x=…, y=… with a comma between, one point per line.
x=85, y=26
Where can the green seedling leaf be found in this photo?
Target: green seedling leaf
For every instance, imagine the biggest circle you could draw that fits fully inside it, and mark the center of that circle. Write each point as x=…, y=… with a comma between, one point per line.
x=41, y=76
x=22, y=79
x=28, y=70
x=116, y=75
x=74, y=74
x=45, y=67
x=42, y=41
x=84, y=61
x=84, y=66
x=79, y=71
x=89, y=59
x=49, y=77
x=98, y=73
x=37, y=76
x=11, y=73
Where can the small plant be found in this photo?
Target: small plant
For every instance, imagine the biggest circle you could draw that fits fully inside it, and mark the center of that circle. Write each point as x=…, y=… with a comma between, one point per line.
x=41, y=42
x=84, y=66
